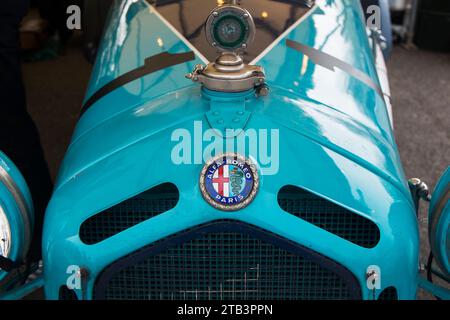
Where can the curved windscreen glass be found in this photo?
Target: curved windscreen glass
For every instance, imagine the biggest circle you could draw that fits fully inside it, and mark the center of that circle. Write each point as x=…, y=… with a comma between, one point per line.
x=5, y=234
x=272, y=18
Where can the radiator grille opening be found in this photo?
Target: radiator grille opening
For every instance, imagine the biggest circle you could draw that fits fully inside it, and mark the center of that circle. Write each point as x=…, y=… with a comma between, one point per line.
x=216, y=263
x=329, y=216
x=390, y=293
x=67, y=294
x=129, y=213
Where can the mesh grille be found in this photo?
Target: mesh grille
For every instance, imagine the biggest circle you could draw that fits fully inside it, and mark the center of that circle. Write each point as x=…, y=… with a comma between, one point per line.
x=129, y=213
x=329, y=216
x=225, y=266
x=390, y=293
x=67, y=294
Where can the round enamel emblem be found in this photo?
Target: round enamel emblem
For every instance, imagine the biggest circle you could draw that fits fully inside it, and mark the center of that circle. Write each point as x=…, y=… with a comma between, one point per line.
x=229, y=182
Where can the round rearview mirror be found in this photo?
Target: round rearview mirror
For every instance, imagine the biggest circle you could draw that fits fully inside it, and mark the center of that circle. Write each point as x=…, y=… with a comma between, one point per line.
x=16, y=213
x=439, y=223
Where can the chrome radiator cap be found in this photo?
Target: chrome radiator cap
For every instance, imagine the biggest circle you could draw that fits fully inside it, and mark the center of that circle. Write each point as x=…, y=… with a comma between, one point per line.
x=228, y=73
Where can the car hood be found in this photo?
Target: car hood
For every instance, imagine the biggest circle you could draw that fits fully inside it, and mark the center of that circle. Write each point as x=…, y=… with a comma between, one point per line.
x=335, y=140
x=312, y=105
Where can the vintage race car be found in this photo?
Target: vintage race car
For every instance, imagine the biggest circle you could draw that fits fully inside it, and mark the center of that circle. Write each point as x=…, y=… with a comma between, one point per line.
x=206, y=165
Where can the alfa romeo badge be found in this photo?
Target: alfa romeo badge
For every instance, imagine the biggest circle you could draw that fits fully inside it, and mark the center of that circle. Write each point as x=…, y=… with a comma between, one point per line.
x=229, y=182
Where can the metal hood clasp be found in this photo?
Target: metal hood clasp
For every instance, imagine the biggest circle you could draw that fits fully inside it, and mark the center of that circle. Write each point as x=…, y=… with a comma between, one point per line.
x=229, y=73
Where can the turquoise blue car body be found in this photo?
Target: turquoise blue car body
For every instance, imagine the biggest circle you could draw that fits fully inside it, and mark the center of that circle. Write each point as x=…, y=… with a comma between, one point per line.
x=336, y=141
x=439, y=222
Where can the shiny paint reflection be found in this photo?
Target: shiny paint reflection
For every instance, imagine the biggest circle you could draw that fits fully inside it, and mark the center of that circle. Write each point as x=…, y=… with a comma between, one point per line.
x=335, y=141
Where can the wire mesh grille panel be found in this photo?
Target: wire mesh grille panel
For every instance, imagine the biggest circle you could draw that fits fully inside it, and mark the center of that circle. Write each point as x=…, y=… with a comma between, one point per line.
x=129, y=213
x=329, y=216
x=225, y=266
x=67, y=294
x=390, y=293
